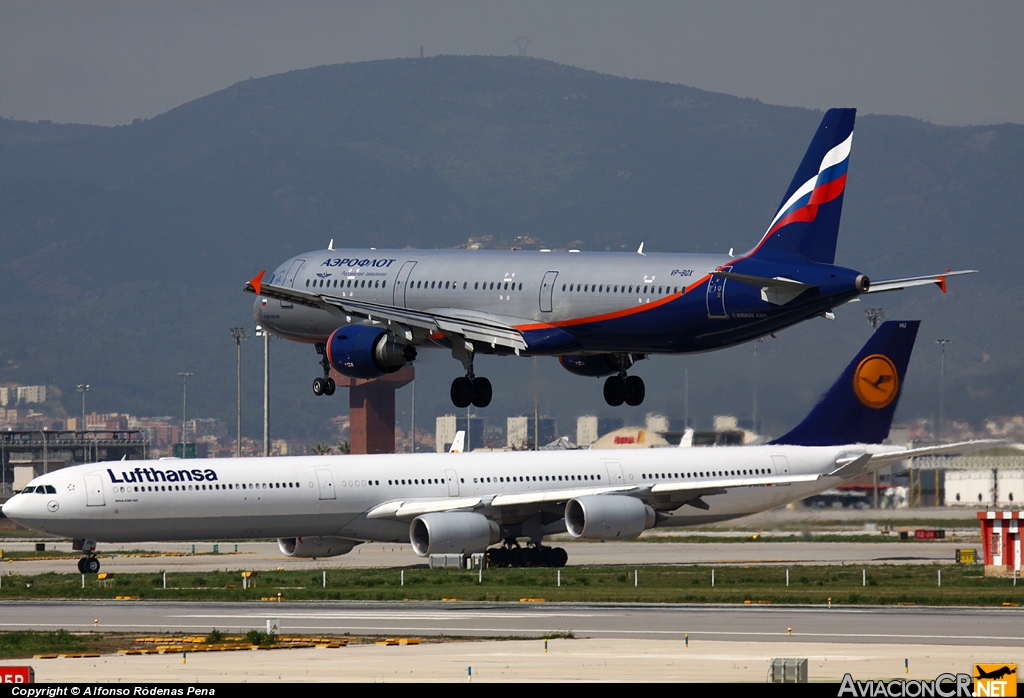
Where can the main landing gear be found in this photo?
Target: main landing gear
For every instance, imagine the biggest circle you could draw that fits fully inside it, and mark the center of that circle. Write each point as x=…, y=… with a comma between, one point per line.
x=623, y=388
x=89, y=565
x=511, y=555
x=325, y=385
x=470, y=389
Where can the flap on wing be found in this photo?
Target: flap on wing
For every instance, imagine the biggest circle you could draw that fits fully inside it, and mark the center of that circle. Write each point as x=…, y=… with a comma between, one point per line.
x=478, y=327
x=702, y=487
x=897, y=284
x=410, y=509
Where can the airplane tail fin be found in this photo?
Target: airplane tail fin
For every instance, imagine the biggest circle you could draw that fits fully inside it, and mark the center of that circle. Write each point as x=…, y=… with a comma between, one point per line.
x=860, y=405
x=806, y=226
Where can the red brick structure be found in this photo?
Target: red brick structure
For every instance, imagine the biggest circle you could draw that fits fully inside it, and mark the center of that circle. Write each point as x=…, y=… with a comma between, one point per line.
x=1000, y=540
x=371, y=409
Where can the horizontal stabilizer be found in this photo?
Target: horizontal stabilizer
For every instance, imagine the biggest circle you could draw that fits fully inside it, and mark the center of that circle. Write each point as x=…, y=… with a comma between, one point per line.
x=777, y=290
x=899, y=284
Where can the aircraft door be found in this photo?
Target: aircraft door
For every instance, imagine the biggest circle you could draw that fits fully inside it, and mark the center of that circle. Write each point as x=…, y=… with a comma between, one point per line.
x=614, y=473
x=547, y=290
x=326, y=482
x=400, y=285
x=94, y=491
x=453, y=483
x=716, y=297
x=781, y=464
x=289, y=278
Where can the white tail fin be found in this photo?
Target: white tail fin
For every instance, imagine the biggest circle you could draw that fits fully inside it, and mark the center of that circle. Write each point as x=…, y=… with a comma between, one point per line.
x=687, y=440
x=459, y=443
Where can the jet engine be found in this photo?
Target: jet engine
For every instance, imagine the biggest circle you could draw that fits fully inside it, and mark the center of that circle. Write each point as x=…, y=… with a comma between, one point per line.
x=365, y=351
x=315, y=546
x=462, y=532
x=594, y=365
x=607, y=517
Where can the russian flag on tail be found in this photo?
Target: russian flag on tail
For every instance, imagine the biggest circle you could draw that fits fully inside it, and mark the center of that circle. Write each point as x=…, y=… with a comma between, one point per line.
x=806, y=224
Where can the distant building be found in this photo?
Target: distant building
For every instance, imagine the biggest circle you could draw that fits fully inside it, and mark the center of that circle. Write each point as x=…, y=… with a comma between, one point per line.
x=520, y=432
x=586, y=430
x=30, y=394
x=449, y=424
x=657, y=423
x=5, y=396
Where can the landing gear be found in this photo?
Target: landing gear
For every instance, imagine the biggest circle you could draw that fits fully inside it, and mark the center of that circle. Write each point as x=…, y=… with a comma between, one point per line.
x=476, y=391
x=623, y=388
x=470, y=389
x=325, y=385
x=89, y=565
x=511, y=555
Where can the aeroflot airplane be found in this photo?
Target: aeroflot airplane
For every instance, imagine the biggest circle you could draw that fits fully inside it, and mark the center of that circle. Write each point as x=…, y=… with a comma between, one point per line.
x=320, y=506
x=367, y=311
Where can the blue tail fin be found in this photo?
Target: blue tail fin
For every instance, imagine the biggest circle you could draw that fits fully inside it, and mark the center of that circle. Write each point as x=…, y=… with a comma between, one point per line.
x=807, y=223
x=859, y=407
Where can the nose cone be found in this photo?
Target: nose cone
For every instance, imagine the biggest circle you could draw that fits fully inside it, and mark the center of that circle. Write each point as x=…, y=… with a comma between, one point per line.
x=14, y=508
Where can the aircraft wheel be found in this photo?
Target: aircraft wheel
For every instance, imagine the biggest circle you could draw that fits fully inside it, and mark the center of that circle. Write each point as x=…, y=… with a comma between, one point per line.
x=92, y=565
x=614, y=391
x=482, y=392
x=81, y=565
x=329, y=386
x=559, y=557
x=319, y=386
x=462, y=392
x=635, y=391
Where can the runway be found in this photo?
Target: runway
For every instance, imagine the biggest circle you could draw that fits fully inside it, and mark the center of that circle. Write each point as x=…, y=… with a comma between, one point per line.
x=266, y=556
x=857, y=624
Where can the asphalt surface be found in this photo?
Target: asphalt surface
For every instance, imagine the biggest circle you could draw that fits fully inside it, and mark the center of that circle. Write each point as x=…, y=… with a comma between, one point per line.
x=893, y=625
x=178, y=557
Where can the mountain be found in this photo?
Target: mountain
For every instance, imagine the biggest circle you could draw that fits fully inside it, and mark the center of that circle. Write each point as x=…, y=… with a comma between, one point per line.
x=123, y=250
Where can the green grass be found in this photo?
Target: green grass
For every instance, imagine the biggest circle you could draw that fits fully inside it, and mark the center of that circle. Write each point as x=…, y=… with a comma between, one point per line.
x=24, y=643
x=886, y=584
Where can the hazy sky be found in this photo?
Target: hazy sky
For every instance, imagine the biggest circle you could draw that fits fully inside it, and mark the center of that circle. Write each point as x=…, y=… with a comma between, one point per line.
x=109, y=62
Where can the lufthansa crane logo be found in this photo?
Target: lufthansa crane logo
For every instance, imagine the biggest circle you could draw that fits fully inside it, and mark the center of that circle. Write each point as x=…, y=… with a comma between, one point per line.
x=875, y=382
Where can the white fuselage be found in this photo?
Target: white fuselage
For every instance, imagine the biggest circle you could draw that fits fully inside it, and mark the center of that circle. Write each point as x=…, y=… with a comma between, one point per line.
x=126, y=501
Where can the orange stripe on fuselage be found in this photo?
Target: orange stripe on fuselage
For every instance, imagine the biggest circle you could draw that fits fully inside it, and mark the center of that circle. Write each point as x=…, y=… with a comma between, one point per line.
x=609, y=316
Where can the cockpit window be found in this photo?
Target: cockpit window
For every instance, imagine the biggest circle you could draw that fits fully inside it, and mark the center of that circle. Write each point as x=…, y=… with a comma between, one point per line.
x=30, y=489
x=50, y=489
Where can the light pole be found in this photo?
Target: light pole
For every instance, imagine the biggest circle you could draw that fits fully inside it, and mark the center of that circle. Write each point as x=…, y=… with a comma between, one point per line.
x=239, y=334
x=83, y=388
x=753, y=419
x=261, y=332
x=184, y=383
x=942, y=386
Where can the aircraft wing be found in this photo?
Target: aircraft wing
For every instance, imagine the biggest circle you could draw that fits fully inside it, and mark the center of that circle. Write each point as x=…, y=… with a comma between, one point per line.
x=474, y=326
x=898, y=284
x=410, y=509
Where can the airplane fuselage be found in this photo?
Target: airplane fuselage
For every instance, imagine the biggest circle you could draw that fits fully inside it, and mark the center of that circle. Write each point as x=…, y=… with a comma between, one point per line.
x=562, y=302
x=172, y=499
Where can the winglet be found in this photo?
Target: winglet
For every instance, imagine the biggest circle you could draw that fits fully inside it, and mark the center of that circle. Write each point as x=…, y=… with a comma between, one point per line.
x=256, y=283
x=941, y=283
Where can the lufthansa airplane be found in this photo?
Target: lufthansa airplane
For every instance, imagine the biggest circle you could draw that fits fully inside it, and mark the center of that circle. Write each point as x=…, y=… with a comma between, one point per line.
x=368, y=311
x=320, y=506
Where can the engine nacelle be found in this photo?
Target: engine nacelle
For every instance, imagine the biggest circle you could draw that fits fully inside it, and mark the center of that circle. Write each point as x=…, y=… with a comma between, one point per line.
x=365, y=351
x=594, y=365
x=462, y=532
x=315, y=546
x=607, y=517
